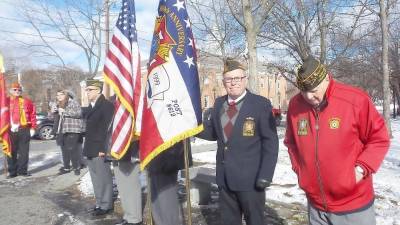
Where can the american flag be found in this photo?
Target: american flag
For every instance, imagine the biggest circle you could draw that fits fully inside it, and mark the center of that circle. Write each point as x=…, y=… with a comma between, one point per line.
x=122, y=73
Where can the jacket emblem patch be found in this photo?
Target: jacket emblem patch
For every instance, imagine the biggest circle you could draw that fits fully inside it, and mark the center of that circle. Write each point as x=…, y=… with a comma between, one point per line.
x=334, y=123
x=249, y=127
x=302, y=125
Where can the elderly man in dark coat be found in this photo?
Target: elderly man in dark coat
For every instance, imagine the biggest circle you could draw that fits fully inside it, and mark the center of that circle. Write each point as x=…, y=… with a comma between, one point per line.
x=245, y=130
x=98, y=117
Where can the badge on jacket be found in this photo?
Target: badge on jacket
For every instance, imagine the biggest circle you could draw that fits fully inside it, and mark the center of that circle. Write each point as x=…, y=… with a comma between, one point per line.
x=302, y=127
x=334, y=123
x=249, y=127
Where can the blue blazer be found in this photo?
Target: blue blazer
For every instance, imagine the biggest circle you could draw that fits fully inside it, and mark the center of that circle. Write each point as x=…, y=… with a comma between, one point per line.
x=252, y=150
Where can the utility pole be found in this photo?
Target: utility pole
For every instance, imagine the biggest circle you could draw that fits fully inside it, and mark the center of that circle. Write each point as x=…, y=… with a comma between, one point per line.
x=106, y=87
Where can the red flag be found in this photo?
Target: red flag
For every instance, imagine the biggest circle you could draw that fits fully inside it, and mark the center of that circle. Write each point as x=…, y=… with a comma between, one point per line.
x=5, y=114
x=122, y=73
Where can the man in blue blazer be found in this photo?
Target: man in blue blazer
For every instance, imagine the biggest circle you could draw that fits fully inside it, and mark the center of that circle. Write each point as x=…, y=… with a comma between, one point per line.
x=245, y=130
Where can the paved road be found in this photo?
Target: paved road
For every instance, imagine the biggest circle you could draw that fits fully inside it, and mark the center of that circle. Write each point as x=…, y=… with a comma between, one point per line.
x=46, y=198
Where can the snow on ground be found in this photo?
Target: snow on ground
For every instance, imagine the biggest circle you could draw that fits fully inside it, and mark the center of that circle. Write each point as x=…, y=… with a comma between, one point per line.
x=285, y=188
x=85, y=185
x=386, y=181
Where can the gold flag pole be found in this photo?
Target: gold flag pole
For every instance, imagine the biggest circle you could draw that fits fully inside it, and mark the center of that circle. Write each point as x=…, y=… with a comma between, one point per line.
x=149, y=199
x=187, y=181
x=5, y=165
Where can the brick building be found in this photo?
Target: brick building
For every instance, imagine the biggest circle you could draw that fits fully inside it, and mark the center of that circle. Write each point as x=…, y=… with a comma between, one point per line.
x=271, y=84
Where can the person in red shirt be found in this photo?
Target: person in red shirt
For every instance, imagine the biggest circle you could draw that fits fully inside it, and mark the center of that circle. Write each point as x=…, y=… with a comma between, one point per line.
x=336, y=141
x=23, y=124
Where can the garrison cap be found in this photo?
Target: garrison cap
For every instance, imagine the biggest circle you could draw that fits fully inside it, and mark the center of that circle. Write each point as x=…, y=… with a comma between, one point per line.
x=310, y=74
x=93, y=82
x=16, y=85
x=232, y=64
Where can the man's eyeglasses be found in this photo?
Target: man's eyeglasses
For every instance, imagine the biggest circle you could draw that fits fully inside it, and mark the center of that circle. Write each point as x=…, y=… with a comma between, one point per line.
x=235, y=79
x=90, y=89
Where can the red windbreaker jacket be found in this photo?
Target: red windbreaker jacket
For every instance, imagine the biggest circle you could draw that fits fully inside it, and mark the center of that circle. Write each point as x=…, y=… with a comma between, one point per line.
x=326, y=145
x=28, y=108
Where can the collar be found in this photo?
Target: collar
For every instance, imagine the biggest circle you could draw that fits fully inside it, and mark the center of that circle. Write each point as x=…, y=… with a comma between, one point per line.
x=236, y=101
x=94, y=102
x=328, y=94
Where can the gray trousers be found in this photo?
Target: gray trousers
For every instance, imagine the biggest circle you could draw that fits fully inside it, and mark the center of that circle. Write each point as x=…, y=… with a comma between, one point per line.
x=100, y=173
x=364, y=217
x=129, y=188
x=165, y=205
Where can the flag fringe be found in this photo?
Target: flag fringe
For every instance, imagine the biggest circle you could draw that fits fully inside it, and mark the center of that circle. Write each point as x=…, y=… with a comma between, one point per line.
x=124, y=102
x=169, y=143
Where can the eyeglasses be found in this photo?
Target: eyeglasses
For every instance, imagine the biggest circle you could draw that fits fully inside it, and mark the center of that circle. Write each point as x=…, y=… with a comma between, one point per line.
x=231, y=79
x=90, y=89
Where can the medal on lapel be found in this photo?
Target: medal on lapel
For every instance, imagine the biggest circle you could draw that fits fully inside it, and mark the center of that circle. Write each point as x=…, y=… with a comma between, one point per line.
x=249, y=126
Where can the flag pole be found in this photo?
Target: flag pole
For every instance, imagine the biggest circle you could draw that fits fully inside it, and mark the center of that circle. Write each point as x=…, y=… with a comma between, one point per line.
x=149, y=198
x=5, y=165
x=187, y=181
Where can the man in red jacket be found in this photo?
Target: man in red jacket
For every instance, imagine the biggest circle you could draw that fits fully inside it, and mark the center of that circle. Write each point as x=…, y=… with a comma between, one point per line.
x=23, y=124
x=336, y=140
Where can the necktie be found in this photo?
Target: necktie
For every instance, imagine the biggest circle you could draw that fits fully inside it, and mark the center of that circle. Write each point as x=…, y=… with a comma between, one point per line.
x=231, y=112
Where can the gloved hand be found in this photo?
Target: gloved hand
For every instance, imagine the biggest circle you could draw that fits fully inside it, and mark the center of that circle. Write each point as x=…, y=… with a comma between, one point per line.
x=32, y=132
x=14, y=127
x=261, y=184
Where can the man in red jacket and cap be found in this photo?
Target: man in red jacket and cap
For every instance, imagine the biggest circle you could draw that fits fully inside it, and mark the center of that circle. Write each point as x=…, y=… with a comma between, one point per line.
x=336, y=140
x=23, y=124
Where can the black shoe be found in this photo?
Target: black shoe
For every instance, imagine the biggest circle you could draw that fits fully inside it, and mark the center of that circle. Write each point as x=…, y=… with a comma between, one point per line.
x=77, y=172
x=124, y=222
x=62, y=171
x=25, y=174
x=91, y=210
x=11, y=176
x=100, y=212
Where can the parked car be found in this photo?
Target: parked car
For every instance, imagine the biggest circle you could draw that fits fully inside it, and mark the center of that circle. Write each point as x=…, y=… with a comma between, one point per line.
x=44, y=129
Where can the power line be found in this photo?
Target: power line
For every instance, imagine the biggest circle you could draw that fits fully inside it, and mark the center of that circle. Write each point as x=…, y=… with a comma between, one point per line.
x=28, y=34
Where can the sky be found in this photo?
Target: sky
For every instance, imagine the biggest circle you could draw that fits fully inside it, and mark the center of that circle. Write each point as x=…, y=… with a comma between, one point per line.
x=15, y=29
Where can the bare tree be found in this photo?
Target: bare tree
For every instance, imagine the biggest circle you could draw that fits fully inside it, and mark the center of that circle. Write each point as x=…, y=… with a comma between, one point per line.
x=215, y=28
x=251, y=15
x=307, y=27
x=383, y=14
x=72, y=21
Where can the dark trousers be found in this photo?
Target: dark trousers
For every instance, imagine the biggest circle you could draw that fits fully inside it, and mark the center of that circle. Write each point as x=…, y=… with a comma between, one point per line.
x=18, y=162
x=235, y=204
x=70, y=150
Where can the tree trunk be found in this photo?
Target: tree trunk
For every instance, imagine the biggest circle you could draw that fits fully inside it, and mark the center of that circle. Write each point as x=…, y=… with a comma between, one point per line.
x=322, y=30
x=251, y=45
x=385, y=62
